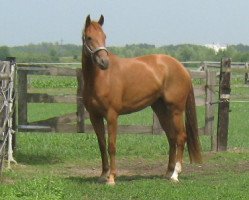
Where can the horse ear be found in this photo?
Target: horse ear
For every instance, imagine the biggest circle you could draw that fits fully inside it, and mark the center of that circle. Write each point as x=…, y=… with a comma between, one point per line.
x=101, y=20
x=88, y=21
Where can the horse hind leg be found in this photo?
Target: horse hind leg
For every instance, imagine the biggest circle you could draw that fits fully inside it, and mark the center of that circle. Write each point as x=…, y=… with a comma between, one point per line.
x=177, y=131
x=180, y=135
x=172, y=123
x=164, y=117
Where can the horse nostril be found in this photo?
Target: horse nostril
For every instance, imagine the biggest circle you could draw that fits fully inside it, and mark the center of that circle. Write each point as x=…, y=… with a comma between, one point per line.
x=105, y=63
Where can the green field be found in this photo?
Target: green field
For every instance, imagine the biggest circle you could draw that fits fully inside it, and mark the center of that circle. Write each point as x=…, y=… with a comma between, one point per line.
x=66, y=165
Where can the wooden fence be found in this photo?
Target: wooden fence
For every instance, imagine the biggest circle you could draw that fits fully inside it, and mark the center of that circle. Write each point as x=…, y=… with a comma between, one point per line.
x=75, y=122
x=226, y=70
x=55, y=124
x=206, y=95
x=229, y=70
x=7, y=116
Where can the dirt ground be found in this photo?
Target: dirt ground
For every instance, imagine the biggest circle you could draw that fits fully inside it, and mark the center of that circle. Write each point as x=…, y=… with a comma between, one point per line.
x=133, y=169
x=143, y=168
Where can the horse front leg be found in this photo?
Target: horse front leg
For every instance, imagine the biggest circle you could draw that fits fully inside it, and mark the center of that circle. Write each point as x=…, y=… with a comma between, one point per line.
x=99, y=128
x=112, y=125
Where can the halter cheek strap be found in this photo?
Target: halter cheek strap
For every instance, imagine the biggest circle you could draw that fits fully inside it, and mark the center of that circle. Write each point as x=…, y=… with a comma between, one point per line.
x=93, y=52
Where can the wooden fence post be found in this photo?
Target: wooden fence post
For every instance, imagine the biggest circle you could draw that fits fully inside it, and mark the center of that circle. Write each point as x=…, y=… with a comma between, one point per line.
x=22, y=98
x=224, y=100
x=246, y=74
x=12, y=61
x=209, y=107
x=80, y=104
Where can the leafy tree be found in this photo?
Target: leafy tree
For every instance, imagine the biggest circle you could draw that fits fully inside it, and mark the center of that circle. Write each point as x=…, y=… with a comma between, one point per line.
x=4, y=52
x=55, y=52
x=185, y=53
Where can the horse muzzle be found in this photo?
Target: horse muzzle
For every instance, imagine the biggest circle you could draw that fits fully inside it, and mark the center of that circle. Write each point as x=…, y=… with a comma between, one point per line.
x=102, y=60
x=103, y=63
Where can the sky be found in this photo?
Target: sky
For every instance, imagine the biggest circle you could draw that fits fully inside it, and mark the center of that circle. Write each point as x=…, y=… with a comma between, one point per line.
x=159, y=22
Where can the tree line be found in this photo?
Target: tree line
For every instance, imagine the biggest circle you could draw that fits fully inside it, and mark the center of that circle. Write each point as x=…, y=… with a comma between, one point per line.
x=55, y=52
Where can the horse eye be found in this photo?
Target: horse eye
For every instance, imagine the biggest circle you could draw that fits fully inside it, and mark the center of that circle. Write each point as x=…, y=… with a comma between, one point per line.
x=89, y=38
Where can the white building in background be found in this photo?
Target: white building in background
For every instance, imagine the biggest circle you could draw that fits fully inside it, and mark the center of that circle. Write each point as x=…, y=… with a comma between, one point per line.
x=216, y=47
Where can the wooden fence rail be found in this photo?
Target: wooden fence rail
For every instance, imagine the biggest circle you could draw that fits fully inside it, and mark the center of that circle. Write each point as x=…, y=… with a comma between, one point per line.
x=204, y=93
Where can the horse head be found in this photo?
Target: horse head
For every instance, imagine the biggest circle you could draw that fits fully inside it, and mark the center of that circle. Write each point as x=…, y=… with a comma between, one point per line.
x=94, y=42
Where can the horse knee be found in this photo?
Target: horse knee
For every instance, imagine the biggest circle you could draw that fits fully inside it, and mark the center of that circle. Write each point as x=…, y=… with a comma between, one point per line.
x=181, y=139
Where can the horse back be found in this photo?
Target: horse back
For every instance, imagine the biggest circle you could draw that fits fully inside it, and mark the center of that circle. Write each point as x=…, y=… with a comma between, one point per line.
x=139, y=82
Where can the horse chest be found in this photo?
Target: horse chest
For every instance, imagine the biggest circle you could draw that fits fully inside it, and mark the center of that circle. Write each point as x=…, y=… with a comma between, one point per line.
x=94, y=103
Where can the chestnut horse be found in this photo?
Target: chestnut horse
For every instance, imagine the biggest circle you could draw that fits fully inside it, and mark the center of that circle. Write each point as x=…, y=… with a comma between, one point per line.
x=114, y=86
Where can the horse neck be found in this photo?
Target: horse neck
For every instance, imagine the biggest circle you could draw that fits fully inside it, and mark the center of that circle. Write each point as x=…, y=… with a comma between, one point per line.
x=89, y=70
x=86, y=64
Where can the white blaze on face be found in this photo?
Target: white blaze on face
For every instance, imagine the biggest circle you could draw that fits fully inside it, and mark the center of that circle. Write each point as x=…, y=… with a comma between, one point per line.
x=177, y=170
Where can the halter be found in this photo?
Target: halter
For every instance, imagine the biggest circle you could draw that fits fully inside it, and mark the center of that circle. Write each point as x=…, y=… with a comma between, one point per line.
x=93, y=52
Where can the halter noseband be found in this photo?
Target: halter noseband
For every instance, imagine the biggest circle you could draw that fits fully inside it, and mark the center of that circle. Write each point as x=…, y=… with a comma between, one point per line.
x=93, y=52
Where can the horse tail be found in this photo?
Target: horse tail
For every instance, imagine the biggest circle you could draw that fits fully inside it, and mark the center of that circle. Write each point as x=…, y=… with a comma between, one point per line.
x=193, y=143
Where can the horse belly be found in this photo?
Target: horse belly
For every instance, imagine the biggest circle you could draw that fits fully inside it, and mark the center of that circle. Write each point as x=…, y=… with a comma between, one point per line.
x=142, y=88
x=137, y=100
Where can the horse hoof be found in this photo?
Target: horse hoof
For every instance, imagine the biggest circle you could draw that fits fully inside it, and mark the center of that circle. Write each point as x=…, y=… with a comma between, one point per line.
x=102, y=179
x=111, y=180
x=167, y=175
x=174, y=180
x=111, y=183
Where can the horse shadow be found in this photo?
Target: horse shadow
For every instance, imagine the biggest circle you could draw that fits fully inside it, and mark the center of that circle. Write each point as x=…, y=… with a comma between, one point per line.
x=32, y=159
x=119, y=179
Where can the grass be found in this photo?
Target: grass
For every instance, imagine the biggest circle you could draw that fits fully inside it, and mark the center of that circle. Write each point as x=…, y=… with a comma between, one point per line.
x=66, y=165
x=52, y=82
x=41, y=111
x=238, y=125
